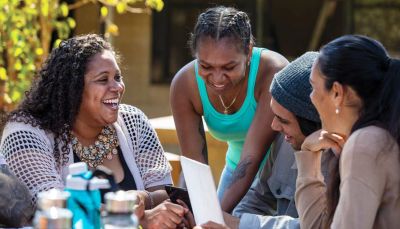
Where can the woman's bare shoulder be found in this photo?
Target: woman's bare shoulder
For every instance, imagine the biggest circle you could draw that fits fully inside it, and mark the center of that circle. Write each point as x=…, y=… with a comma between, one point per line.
x=272, y=62
x=185, y=78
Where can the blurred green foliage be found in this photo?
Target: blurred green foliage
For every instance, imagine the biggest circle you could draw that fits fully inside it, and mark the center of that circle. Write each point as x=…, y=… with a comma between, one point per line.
x=26, y=28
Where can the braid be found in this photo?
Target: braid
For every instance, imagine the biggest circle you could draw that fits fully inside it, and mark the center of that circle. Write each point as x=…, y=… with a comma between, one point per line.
x=220, y=22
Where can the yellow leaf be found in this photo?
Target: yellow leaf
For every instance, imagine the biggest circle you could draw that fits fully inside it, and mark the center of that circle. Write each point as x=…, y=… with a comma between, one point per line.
x=3, y=74
x=2, y=16
x=44, y=8
x=155, y=4
x=111, y=2
x=14, y=35
x=16, y=96
x=104, y=11
x=18, y=65
x=159, y=5
x=31, y=67
x=121, y=7
x=39, y=51
x=71, y=23
x=64, y=9
x=57, y=43
x=17, y=52
x=112, y=29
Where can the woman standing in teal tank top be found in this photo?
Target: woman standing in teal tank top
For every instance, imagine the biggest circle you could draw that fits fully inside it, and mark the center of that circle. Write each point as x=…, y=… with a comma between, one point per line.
x=227, y=84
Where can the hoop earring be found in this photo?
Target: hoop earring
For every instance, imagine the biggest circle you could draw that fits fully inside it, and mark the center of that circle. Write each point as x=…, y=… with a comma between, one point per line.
x=337, y=111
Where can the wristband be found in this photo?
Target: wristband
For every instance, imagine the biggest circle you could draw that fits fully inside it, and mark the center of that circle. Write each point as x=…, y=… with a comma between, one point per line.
x=150, y=198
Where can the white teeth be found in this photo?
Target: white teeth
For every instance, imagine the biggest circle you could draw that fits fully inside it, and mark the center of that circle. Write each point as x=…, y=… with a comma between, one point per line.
x=219, y=86
x=111, y=101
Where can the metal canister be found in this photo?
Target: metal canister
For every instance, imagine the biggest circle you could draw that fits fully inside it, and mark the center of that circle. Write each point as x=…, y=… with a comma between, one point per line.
x=52, y=198
x=52, y=212
x=120, y=207
x=121, y=202
x=55, y=218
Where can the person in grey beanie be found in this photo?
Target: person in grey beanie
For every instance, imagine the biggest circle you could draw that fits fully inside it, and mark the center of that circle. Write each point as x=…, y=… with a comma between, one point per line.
x=270, y=201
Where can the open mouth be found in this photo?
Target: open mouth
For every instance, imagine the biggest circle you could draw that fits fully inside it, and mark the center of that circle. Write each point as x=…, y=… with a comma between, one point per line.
x=288, y=138
x=112, y=103
x=218, y=87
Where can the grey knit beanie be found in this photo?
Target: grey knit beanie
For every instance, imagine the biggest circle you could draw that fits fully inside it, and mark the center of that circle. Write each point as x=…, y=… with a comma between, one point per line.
x=291, y=88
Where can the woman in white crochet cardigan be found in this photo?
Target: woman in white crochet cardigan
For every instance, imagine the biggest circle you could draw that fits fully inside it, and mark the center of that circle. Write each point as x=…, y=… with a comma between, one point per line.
x=73, y=113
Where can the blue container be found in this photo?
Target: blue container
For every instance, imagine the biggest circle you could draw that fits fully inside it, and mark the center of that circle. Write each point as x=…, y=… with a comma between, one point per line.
x=85, y=200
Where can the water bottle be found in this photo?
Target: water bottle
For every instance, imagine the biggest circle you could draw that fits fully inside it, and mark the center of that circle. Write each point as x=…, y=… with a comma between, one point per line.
x=85, y=200
x=51, y=210
x=120, y=208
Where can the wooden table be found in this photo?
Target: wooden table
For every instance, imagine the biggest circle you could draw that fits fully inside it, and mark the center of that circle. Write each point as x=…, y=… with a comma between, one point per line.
x=165, y=128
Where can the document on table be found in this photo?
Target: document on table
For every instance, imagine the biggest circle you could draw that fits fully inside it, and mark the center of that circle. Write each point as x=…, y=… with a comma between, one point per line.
x=202, y=191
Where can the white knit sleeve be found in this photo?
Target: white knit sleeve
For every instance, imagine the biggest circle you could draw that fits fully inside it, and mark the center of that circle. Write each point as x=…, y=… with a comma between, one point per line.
x=2, y=160
x=30, y=157
x=149, y=154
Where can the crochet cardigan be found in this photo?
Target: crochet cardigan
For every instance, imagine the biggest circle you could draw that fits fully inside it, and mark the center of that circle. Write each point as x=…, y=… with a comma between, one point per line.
x=28, y=151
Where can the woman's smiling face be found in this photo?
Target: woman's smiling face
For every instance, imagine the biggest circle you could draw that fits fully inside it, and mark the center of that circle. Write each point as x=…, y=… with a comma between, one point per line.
x=103, y=90
x=222, y=64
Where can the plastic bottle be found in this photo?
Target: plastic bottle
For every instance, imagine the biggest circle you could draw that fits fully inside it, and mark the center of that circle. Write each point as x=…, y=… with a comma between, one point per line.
x=85, y=200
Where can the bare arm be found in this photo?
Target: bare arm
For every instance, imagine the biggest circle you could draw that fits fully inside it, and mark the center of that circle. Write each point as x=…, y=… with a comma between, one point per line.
x=259, y=137
x=187, y=117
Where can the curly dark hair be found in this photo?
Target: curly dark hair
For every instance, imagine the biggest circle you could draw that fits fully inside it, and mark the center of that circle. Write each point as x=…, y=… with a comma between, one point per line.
x=219, y=22
x=53, y=101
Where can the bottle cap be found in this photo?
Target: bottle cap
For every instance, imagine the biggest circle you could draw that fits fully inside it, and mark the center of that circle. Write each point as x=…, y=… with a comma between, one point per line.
x=52, y=198
x=77, y=168
x=121, y=201
x=96, y=183
x=76, y=183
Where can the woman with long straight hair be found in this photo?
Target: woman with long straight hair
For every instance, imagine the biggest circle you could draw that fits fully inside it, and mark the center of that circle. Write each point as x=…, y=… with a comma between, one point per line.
x=356, y=92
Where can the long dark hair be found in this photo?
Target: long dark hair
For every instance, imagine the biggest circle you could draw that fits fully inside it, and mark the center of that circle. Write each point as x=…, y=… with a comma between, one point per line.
x=363, y=64
x=219, y=22
x=53, y=101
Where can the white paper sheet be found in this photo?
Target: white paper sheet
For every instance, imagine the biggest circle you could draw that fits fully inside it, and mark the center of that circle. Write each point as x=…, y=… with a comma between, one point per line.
x=202, y=191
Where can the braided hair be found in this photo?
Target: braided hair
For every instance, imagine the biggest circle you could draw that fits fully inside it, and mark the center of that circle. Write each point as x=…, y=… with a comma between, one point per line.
x=53, y=101
x=220, y=22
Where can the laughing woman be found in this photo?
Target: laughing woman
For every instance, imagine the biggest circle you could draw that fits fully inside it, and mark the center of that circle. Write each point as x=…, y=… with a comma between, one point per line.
x=356, y=93
x=73, y=113
x=227, y=84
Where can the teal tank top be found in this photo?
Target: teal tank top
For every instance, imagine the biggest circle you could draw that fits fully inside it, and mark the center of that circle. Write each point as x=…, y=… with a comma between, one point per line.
x=231, y=128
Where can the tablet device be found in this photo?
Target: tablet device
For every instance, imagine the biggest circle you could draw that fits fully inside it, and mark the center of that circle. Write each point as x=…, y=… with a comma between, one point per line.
x=202, y=191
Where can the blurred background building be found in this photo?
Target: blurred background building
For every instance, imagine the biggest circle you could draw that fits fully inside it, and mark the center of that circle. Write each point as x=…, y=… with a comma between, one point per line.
x=154, y=46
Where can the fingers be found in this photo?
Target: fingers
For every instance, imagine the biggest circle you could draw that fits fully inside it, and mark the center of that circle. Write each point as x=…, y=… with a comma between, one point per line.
x=172, y=213
x=139, y=211
x=321, y=140
x=336, y=138
x=333, y=141
x=188, y=219
x=177, y=209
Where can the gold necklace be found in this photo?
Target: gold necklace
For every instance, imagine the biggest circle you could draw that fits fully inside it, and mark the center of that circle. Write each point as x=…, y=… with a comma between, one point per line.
x=105, y=146
x=226, y=108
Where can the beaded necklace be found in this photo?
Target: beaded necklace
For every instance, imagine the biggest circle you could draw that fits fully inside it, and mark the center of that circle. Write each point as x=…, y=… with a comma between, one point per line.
x=105, y=146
